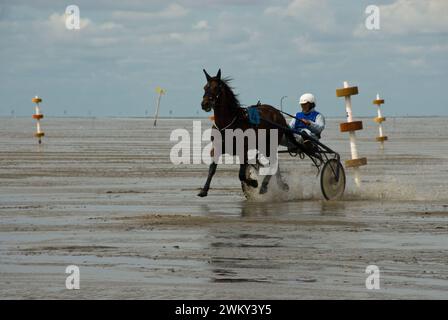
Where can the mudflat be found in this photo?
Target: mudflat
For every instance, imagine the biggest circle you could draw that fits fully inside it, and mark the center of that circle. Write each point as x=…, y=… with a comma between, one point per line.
x=102, y=194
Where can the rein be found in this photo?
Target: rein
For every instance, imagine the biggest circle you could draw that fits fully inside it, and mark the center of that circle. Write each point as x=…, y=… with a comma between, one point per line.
x=290, y=115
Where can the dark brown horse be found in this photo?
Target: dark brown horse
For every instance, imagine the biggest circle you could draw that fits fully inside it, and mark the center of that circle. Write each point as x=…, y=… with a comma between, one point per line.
x=228, y=114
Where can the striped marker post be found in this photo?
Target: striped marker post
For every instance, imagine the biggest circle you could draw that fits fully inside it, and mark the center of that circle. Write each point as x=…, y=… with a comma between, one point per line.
x=380, y=119
x=38, y=116
x=351, y=126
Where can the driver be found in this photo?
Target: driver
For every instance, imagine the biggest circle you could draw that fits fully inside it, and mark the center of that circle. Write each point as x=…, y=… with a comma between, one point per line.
x=308, y=120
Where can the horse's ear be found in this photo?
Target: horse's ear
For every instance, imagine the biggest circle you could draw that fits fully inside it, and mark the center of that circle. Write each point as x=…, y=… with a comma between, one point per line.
x=207, y=75
x=218, y=75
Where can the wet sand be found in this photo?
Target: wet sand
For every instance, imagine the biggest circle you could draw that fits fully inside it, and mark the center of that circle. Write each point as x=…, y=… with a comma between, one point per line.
x=102, y=194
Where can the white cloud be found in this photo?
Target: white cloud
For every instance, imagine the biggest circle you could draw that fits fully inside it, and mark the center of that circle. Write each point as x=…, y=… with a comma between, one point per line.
x=110, y=26
x=406, y=16
x=305, y=46
x=297, y=42
x=236, y=31
x=410, y=17
x=421, y=49
x=317, y=14
x=188, y=38
x=56, y=22
x=54, y=28
x=172, y=11
x=201, y=25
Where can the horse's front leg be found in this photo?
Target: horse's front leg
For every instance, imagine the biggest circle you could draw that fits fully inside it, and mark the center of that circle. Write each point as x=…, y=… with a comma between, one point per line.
x=211, y=173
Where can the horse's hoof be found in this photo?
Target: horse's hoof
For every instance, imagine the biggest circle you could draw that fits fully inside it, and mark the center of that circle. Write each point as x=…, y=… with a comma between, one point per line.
x=203, y=193
x=252, y=183
x=263, y=189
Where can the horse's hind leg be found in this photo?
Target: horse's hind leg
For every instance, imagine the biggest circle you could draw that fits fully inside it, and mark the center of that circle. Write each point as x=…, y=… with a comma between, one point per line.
x=211, y=172
x=242, y=175
x=264, y=184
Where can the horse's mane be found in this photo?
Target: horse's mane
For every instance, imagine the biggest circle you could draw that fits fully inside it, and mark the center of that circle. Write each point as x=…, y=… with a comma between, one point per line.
x=235, y=103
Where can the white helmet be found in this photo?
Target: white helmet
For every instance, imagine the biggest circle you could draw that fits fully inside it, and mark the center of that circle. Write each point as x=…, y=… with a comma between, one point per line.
x=307, y=97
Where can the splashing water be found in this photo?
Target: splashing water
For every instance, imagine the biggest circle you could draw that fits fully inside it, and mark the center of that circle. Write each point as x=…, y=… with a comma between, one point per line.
x=306, y=187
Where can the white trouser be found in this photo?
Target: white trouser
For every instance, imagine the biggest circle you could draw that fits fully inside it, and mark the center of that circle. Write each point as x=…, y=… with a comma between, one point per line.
x=298, y=137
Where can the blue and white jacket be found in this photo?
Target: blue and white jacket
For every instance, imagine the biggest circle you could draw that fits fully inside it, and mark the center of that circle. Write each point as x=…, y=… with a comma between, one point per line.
x=316, y=126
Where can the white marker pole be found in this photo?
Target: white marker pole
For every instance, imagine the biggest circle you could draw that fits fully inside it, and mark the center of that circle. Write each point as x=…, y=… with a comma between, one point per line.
x=380, y=126
x=160, y=91
x=37, y=116
x=381, y=138
x=348, y=108
x=351, y=126
x=352, y=134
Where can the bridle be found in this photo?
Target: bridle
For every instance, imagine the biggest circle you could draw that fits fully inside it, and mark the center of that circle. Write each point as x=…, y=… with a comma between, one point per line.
x=213, y=98
x=214, y=102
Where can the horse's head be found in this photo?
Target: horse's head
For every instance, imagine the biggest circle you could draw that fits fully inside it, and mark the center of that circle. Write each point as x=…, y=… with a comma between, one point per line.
x=212, y=91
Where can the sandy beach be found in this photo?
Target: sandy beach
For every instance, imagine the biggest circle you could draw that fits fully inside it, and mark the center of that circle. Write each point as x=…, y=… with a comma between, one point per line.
x=102, y=194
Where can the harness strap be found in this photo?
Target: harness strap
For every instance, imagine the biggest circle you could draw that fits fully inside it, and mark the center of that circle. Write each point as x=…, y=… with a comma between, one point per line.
x=227, y=126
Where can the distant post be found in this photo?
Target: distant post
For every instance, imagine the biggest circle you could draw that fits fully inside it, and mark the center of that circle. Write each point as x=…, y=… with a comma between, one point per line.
x=160, y=92
x=38, y=116
x=381, y=137
x=281, y=102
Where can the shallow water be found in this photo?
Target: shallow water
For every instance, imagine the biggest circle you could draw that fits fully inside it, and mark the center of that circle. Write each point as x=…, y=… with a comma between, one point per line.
x=102, y=194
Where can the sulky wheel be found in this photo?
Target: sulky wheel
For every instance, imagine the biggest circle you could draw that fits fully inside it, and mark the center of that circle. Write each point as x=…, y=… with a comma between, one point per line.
x=332, y=187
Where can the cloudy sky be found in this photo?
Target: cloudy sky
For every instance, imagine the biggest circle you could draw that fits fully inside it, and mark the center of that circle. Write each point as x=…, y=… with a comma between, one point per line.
x=272, y=48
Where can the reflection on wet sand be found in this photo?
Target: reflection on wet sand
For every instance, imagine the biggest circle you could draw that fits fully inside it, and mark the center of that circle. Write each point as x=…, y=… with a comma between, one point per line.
x=279, y=209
